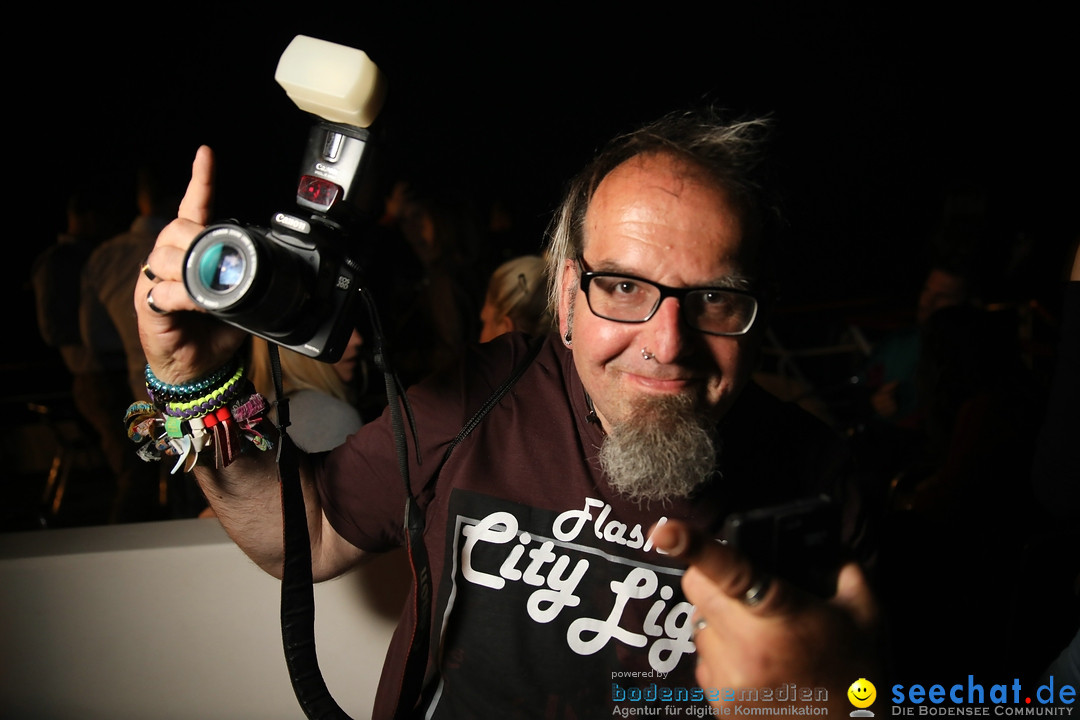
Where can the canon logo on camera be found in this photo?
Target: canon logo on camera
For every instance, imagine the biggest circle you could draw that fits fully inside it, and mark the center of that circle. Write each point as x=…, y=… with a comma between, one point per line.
x=293, y=223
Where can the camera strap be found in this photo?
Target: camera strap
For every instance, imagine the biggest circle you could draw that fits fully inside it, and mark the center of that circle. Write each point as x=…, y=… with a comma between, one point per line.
x=297, y=580
x=407, y=703
x=297, y=584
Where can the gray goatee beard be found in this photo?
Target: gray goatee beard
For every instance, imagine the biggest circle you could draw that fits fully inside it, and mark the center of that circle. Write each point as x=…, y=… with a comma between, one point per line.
x=663, y=451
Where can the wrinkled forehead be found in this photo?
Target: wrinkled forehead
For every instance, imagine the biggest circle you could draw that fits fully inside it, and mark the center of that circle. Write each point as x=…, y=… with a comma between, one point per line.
x=667, y=190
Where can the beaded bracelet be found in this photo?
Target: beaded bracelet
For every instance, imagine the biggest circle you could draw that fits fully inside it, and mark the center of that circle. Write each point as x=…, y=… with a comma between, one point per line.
x=161, y=392
x=199, y=406
x=215, y=412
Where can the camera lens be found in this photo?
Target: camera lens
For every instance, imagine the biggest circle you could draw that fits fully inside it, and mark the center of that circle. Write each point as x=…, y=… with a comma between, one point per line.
x=255, y=280
x=221, y=268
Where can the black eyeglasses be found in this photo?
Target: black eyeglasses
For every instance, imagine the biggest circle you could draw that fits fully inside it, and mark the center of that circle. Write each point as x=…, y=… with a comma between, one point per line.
x=630, y=299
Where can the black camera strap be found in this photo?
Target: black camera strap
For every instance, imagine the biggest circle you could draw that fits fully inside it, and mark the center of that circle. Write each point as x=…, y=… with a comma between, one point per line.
x=297, y=579
x=297, y=585
x=297, y=582
x=415, y=691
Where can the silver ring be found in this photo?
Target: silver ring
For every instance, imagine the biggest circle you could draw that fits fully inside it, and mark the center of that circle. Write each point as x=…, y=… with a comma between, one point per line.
x=145, y=270
x=756, y=593
x=646, y=355
x=150, y=304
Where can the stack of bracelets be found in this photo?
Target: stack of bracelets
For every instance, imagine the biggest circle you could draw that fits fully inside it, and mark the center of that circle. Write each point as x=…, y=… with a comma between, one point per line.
x=216, y=413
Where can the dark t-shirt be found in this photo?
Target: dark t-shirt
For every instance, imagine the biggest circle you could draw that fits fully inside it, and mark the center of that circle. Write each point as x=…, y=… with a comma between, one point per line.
x=549, y=599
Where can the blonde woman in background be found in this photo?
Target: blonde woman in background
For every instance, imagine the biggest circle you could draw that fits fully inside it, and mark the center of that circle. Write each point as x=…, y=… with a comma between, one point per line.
x=516, y=299
x=322, y=399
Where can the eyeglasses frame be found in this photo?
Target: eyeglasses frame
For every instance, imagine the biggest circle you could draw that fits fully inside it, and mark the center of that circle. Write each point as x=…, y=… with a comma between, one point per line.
x=586, y=276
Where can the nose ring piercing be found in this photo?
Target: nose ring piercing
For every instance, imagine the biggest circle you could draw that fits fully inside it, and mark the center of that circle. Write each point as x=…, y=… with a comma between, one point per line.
x=646, y=355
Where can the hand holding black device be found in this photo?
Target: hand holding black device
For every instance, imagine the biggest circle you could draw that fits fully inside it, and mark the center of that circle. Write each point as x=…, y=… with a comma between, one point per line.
x=797, y=541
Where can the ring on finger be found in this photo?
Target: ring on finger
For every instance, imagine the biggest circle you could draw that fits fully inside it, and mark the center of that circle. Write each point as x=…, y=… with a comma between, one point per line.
x=150, y=304
x=145, y=269
x=756, y=593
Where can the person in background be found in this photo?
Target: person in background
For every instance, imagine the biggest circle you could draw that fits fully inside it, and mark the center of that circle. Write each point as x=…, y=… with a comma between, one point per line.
x=108, y=279
x=109, y=326
x=98, y=377
x=430, y=288
x=516, y=299
x=891, y=368
x=322, y=396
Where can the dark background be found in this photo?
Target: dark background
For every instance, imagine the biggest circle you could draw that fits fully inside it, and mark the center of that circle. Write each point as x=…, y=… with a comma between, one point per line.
x=885, y=115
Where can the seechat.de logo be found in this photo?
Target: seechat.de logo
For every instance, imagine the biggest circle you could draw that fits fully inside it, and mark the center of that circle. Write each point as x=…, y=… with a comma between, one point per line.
x=973, y=698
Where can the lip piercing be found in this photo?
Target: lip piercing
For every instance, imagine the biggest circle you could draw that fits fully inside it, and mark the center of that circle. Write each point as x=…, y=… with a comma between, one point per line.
x=646, y=355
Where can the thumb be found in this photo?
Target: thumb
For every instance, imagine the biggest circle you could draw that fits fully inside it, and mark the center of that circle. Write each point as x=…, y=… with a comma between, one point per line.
x=198, y=199
x=853, y=594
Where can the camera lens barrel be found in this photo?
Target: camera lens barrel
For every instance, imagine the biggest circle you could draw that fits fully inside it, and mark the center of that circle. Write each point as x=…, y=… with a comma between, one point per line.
x=254, y=280
x=221, y=268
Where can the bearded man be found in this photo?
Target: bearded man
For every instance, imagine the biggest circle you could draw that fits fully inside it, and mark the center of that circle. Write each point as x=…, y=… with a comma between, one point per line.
x=554, y=596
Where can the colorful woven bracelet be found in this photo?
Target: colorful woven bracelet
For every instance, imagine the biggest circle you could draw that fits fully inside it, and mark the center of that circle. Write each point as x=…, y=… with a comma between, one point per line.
x=221, y=432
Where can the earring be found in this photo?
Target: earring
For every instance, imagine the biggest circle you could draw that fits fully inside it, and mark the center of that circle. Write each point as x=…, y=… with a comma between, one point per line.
x=566, y=339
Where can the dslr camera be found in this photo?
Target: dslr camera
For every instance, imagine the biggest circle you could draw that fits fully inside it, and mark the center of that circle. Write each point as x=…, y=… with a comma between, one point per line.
x=294, y=283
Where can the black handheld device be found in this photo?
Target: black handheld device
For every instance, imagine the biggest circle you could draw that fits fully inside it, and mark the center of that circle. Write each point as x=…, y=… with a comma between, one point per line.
x=797, y=541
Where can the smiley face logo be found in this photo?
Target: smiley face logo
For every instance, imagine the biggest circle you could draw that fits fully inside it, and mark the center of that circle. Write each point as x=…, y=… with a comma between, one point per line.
x=862, y=693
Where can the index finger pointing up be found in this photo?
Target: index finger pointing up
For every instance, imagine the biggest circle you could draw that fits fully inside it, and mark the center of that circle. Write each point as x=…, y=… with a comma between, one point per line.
x=199, y=197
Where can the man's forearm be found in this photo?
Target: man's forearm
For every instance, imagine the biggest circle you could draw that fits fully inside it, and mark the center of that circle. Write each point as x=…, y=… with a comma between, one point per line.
x=246, y=497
